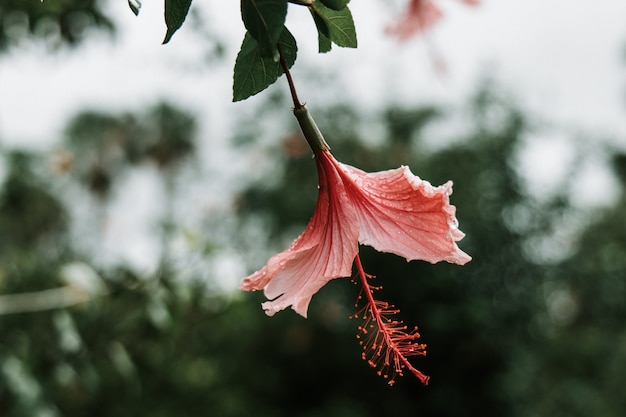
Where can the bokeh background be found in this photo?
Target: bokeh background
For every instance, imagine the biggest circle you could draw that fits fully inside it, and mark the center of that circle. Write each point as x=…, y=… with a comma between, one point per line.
x=134, y=196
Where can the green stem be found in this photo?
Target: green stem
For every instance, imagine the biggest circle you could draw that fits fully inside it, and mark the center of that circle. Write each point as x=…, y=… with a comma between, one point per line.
x=310, y=130
x=292, y=86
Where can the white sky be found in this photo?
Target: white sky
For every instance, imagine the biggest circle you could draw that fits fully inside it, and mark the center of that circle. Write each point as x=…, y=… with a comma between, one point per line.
x=562, y=60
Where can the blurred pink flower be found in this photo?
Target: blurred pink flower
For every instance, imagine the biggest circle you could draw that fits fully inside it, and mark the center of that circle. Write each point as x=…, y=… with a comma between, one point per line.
x=392, y=211
x=419, y=16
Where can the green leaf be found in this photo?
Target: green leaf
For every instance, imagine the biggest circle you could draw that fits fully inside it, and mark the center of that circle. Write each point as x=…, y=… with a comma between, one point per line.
x=338, y=24
x=324, y=43
x=175, y=14
x=264, y=20
x=134, y=5
x=336, y=4
x=254, y=72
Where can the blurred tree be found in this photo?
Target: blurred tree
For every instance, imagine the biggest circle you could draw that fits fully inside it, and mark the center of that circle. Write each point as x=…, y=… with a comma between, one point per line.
x=97, y=146
x=100, y=147
x=167, y=137
x=55, y=22
x=574, y=363
x=30, y=216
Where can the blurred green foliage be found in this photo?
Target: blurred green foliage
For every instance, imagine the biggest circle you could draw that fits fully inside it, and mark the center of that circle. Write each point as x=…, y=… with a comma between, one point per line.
x=103, y=146
x=506, y=335
x=57, y=22
x=30, y=216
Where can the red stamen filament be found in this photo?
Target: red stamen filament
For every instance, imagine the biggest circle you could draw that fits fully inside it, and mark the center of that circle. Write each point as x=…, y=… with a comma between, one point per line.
x=385, y=340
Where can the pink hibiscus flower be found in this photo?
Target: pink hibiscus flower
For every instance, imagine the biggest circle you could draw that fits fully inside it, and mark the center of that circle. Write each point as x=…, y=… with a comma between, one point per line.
x=392, y=211
x=420, y=16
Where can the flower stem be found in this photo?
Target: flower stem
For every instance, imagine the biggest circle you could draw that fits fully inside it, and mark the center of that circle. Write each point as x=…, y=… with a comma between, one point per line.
x=311, y=132
x=386, y=342
x=292, y=87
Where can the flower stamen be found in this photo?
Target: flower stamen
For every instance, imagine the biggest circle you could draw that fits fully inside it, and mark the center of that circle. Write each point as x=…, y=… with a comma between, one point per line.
x=387, y=342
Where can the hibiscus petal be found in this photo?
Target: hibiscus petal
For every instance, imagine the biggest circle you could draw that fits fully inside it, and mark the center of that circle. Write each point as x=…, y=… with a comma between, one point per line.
x=405, y=215
x=324, y=251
